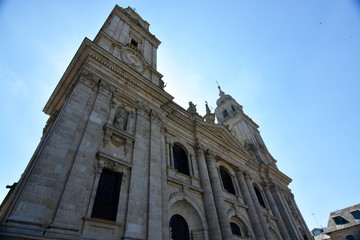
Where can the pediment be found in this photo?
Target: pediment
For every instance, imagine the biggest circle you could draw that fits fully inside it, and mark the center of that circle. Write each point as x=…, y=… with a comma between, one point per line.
x=225, y=135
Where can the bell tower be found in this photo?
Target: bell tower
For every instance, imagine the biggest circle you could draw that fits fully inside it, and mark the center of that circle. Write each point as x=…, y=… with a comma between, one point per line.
x=126, y=36
x=230, y=114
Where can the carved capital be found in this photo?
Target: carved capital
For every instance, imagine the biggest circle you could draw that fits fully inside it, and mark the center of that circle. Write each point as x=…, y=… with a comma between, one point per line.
x=106, y=88
x=141, y=109
x=265, y=184
x=155, y=116
x=199, y=147
x=209, y=153
x=164, y=130
x=99, y=167
x=247, y=175
x=239, y=170
x=87, y=78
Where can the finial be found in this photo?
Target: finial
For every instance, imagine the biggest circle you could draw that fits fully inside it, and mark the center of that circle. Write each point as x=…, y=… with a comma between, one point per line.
x=221, y=93
x=207, y=107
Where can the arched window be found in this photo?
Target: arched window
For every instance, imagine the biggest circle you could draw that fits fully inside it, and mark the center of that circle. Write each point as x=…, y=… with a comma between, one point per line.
x=179, y=228
x=259, y=197
x=350, y=237
x=235, y=229
x=226, y=180
x=180, y=160
x=225, y=113
x=233, y=108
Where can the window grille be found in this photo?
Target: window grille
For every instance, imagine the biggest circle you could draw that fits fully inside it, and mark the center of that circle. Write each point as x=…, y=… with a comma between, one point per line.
x=107, y=195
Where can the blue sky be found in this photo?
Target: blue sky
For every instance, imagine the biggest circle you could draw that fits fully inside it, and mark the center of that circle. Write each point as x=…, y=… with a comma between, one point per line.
x=293, y=65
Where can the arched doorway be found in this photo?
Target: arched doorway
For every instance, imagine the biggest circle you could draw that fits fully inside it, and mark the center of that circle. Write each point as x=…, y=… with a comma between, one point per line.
x=179, y=228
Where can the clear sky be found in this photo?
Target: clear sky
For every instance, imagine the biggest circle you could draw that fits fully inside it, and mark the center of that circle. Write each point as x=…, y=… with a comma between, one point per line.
x=293, y=65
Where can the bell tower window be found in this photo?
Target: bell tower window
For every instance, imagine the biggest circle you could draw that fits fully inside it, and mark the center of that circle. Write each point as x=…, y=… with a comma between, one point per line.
x=233, y=108
x=134, y=43
x=225, y=113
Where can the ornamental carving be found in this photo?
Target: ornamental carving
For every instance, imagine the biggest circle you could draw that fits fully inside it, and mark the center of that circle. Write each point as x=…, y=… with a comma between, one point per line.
x=117, y=141
x=118, y=138
x=178, y=194
x=133, y=59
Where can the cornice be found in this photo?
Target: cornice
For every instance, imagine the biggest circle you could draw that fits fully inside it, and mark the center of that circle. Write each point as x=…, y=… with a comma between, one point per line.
x=89, y=49
x=57, y=97
x=162, y=97
x=194, y=188
x=278, y=175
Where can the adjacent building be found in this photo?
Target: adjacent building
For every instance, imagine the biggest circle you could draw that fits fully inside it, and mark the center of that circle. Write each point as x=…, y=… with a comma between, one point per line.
x=319, y=234
x=119, y=159
x=344, y=224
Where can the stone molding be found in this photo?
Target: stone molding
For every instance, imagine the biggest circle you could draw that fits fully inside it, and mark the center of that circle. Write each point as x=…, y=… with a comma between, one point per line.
x=113, y=163
x=117, y=137
x=134, y=81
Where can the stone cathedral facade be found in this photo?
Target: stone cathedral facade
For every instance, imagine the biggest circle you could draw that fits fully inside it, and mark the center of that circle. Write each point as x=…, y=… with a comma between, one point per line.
x=119, y=159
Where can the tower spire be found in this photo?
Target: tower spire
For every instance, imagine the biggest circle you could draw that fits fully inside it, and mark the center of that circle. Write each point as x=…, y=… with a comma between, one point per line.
x=221, y=93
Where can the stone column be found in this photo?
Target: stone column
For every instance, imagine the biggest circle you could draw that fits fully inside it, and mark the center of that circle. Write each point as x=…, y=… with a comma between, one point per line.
x=167, y=152
x=171, y=155
x=285, y=235
x=209, y=204
x=188, y=157
x=283, y=212
x=249, y=202
x=218, y=197
x=258, y=207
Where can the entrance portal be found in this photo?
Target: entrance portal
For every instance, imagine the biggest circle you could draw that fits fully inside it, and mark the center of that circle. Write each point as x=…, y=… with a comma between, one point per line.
x=179, y=228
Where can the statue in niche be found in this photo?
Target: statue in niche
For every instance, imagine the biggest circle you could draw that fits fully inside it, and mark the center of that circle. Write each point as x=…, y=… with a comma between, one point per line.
x=121, y=118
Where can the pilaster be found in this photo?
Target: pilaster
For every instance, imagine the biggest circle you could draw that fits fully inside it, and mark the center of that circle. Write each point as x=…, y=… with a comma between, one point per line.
x=164, y=189
x=155, y=223
x=136, y=216
x=218, y=196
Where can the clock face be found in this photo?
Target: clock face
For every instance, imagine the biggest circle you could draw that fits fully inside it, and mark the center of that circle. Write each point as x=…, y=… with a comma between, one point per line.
x=133, y=59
